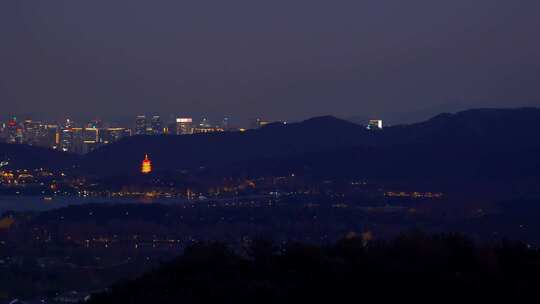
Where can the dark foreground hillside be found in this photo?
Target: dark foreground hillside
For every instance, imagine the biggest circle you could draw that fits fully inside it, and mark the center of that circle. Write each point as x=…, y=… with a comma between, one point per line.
x=413, y=267
x=31, y=157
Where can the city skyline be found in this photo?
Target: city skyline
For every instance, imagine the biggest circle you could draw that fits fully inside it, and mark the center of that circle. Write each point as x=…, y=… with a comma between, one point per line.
x=87, y=136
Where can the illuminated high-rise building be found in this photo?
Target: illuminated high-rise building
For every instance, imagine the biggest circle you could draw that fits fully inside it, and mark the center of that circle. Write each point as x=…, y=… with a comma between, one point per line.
x=52, y=136
x=91, y=139
x=66, y=136
x=77, y=141
x=156, y=126
x=184, y=126
x=206, y=127
x=140, y=125
x=375, y=124
x=95, y=123
x=259, y=123
x=3, y=132
x=68, y=124
x=146, y=166
x=85, y=140
x=12, y=133
x=66, y=139
x=110, y=135
x=34, y=133
x=19, y=135
x=205, y=123
x=225, y=124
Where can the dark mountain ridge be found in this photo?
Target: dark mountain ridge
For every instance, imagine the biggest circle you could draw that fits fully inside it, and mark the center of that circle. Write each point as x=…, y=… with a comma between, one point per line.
x=469, y=147
x=465, y=145
x=500, y=127
x=30, y=157
x=214, y=150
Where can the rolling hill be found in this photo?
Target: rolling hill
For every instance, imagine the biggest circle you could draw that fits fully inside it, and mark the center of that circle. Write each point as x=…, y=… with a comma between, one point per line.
x=480, y=146
x=475, y=144
x=30, y=157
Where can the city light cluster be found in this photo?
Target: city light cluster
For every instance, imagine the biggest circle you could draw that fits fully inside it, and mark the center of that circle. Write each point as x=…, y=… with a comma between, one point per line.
x=73, y=137
x=70, y=136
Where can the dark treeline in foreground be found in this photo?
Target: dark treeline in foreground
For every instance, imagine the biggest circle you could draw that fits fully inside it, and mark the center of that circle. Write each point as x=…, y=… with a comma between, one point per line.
x=411, y=267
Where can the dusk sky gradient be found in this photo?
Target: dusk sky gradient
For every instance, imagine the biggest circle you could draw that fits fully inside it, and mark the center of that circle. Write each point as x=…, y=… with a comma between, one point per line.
x=278, y=59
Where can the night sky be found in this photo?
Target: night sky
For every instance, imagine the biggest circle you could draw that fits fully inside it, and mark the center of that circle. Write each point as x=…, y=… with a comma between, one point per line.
x=281, y=59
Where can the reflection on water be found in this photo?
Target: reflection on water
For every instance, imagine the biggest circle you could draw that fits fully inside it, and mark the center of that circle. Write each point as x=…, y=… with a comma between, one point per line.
x=146, y=199
x=40, y=203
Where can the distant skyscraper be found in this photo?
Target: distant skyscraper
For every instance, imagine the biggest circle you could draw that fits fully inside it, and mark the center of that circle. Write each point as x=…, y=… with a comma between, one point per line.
x=110, y=135
x=184, y=126
x=205, y=127
x=156, y=125
x=11, y=128
x=77, y=141
x=34, y=133
x=66, y=140
x=66, y=136
x=375, y=124
x=52, y=136
x=259, y=122
x=90, y=139
x=140, y=125
x=3, y=134
x=95, y=123
x=83, y=140
x=225, y=124
x=205, y=123
x=68, y=124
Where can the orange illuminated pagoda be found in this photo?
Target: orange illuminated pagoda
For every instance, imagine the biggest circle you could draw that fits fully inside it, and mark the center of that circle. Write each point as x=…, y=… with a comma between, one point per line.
x=146, y=165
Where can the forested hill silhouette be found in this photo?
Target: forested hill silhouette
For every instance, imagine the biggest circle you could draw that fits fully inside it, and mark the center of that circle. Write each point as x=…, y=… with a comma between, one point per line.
x=412, y=267
x=30, y=157
x=477, y=146
x=499, y=128
x=482, y=143
x=219, y=149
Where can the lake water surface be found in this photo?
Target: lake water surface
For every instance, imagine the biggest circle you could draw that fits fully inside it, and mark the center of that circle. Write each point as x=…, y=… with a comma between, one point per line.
x=40, y=203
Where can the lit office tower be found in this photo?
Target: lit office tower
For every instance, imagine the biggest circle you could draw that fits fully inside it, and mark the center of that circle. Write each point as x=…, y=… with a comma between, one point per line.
x=259, y=123
x=140, y=125
x=66, y=136
x=66, y=139
x=3, y=131
x=77, y=140
x=95, y=123
x=184, y=126
x=206, y=127
x=52, y=136
x=110, y=135
x=375, y=124
x=205, y=123
x=11, y=128
x=225, y=124
x=35, y=133
x=84, y=140
x=156, y=125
